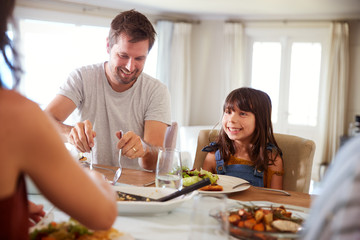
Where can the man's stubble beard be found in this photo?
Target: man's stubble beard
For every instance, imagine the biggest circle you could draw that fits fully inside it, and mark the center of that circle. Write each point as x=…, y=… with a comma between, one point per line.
x=121, y=80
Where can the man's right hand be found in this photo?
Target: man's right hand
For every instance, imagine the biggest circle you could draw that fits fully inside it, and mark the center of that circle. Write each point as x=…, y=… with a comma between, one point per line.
x=82, y=136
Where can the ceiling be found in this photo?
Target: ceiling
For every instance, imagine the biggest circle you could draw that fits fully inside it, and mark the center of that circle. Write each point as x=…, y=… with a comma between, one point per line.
x=227, y=9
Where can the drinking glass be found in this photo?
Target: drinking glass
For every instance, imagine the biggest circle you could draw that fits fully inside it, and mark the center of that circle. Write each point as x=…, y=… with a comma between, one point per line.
x=168, y=169
x=205, y=221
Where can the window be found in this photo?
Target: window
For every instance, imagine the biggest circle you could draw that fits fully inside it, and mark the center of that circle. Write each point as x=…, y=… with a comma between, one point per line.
x=286, y=63
x=151, y=61
x=52, y=50
x=266, y=71
x=304, y=77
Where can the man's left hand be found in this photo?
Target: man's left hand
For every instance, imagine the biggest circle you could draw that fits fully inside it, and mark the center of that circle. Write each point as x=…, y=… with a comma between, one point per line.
x=131, y=145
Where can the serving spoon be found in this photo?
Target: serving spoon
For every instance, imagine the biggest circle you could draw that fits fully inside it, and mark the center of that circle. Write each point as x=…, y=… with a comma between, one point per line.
x=185, y=190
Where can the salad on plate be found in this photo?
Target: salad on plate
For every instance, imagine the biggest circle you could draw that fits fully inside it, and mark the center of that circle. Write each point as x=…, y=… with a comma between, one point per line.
x=191, y=176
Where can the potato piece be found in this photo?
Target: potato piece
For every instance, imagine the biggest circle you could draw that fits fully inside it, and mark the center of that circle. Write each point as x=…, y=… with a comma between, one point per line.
x=234, y=219
x=241, y=224
x=250, y=223
x=268, y=228
x=268, y=218
x=259, y=227
x=259, y=215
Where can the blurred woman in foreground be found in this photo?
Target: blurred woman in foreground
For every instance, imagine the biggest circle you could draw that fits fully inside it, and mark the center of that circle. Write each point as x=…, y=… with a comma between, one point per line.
x=30, y=145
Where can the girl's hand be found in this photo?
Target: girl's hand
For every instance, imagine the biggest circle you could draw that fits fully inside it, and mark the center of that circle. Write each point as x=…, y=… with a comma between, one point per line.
x=36, y=212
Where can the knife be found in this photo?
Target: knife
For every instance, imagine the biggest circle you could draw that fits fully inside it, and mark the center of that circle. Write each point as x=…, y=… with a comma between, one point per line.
x=123, y=196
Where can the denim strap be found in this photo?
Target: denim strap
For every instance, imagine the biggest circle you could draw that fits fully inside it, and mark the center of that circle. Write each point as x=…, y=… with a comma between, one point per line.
x=220, y=168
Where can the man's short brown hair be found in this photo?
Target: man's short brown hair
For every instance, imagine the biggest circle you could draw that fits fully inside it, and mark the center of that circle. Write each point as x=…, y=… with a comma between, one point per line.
x=133, y=24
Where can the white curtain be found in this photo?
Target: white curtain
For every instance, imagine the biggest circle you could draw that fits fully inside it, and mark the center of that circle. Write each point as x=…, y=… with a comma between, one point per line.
x=233, y=58
x=336, y=90
x=165, y=32
x=174, y=66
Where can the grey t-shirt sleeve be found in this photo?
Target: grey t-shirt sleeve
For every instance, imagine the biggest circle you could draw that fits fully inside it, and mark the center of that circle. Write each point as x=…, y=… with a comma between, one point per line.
x=72, y=88
x=159, y=105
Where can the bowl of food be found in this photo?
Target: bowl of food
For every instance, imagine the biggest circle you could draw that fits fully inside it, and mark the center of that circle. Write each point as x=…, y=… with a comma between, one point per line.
x=265, y=222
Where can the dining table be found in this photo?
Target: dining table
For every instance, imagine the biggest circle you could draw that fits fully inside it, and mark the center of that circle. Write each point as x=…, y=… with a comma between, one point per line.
x=175, y=224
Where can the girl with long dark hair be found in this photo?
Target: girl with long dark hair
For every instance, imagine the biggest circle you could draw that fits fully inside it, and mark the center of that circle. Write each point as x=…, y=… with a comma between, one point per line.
x=246, y=146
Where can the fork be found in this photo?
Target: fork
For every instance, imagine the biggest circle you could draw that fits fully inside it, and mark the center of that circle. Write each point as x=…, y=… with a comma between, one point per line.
x=119, y=170
x=266, y=189
x=149, y=183
x=92, y=159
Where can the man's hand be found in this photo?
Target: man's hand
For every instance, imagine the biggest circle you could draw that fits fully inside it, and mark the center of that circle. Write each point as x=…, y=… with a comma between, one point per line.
x=82, y=136
x=131, y=144
x=36, y=212
x=145, y=149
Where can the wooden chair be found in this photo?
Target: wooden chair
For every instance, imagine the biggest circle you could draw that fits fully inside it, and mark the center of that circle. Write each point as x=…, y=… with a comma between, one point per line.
x=298, y=155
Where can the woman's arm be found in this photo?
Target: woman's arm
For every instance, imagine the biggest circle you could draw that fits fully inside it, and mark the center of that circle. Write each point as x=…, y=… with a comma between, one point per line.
x=84, y=195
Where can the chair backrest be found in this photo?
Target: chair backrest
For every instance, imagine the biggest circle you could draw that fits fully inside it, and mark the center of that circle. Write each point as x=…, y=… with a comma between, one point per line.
x=298, y=154
x=171, y=135
x=204, y=138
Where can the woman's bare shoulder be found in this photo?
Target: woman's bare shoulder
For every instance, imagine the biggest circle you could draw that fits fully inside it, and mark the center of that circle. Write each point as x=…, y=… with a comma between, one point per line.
x=13, y=103
x=16, y=110
x=20, y=119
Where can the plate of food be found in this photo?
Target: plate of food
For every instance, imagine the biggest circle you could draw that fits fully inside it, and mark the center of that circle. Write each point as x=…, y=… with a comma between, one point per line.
x=227, y=183
x=72, y=229
x=128, y=205
x=264, y=220
x=219, y=183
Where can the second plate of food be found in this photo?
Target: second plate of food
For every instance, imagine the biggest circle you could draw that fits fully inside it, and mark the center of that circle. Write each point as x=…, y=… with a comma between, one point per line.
x=264, y=220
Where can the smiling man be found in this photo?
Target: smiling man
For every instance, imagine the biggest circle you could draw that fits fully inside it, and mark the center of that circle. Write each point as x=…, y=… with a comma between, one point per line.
x=117, y=95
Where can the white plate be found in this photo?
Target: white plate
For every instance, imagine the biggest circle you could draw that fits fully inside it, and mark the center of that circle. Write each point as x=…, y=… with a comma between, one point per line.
x=146, y=208
x=228, y=182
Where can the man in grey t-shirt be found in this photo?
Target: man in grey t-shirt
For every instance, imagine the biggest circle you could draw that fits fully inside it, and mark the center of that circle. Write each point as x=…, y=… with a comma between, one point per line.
x=116, y=95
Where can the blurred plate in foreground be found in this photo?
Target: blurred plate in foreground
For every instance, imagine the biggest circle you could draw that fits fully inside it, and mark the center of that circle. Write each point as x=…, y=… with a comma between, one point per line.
x=146, y=208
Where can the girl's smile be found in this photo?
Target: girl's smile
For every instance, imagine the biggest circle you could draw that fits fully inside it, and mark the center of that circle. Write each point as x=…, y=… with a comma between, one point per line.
x=238, y=124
